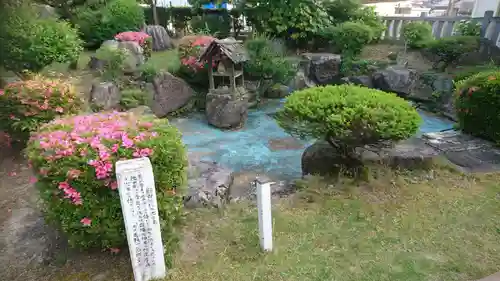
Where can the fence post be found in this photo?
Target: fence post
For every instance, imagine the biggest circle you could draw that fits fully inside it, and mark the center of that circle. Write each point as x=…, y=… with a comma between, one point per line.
x=485, y=22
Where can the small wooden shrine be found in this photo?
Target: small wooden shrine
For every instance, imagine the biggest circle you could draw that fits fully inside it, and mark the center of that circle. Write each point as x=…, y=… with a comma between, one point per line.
x=226, y=56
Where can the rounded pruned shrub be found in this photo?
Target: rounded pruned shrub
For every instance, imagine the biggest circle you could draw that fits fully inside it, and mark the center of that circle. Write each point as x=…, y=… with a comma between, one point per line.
x=349, y=38
x=98, y=24
x=74, y=159
x=448, y=50
x=478, y=105
x=28, y=43
x=348, y=116
x=417, y=34
x=26, y=105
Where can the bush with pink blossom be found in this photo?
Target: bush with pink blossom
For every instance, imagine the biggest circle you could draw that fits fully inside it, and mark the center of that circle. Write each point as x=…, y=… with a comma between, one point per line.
x=25, y=105
x=74, y=160
x=141, y=38
x=191, y=70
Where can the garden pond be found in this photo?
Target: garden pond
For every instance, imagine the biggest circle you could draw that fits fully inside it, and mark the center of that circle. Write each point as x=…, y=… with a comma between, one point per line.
x=261, y=145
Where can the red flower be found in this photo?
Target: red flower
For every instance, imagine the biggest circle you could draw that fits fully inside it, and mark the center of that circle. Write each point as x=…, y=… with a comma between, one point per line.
x=138, y=37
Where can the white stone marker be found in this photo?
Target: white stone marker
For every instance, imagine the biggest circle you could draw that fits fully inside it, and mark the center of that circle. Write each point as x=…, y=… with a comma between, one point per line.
x=265, y=218
x=136, y=187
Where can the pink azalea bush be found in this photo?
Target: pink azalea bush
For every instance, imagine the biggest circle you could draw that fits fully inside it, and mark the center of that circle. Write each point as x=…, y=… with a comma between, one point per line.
x=25, y=105
x=141, y=38
x=190, y=49
x=74, y=161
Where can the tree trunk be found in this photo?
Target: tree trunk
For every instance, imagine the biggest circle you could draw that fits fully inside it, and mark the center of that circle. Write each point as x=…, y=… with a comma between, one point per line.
x=155, y=14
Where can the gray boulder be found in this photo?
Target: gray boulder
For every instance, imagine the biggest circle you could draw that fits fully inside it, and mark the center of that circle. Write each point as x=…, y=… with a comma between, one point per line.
x=300, y=81
x=225, y=110
x=323, y=68
x=7, y=77
x=208, y=184
x=322, y=159
x=277, y=91
x=362, y=80
x=396, y=79
x=141, y=110
x=134, y=55
x=45, y=11
x=161, y=39
x=105, y=96
x=429, y=83
x=170, y=94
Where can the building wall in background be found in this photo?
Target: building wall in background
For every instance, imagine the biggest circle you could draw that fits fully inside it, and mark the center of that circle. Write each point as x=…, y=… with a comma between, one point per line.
x=482, y=6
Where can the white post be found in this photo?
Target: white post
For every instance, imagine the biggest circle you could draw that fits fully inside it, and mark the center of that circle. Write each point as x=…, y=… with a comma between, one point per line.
x=136, y=187
x=265, y=217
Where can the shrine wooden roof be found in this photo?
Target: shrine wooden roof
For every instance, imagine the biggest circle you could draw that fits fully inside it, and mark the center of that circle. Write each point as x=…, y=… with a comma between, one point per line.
x=231, y=48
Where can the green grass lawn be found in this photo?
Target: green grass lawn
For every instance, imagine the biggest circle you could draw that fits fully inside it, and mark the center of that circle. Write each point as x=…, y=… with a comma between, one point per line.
x=439, y=226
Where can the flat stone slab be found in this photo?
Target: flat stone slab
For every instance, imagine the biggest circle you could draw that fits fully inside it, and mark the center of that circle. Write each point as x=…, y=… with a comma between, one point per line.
x=467, y=152
x=285, y=144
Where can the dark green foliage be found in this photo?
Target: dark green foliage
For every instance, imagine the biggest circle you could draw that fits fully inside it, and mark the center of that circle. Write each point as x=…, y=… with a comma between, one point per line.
x=164, y=16
x=181, y=16
x=295, y=21
x=217, y=24
x=478, y=105
x=417, y=34
x=268, y=60
x=29, y=43
x=103, y=23
x=348, y=38
x=449, y=49
x=348, y=116
x=132, y=98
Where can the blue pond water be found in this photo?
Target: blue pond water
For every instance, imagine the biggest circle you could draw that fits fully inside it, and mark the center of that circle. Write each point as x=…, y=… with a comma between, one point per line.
x=261, y=145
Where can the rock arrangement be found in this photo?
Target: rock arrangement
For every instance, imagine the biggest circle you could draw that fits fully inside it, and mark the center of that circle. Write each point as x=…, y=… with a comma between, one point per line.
x=225, y=110
x=105, y=96
x=170, y=94
x=160, y=37
x=133, y=60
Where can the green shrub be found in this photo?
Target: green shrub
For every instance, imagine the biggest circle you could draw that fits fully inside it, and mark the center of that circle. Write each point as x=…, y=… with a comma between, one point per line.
x=74, y=159
x=449, y=49
x=348, y=116
x=478, y=105
x=466, y=72
x=148, y=71
x=114, y=60
x=349, y=38
x=163, y=16
x=99, y=25
x=215, y=24
x=468, y=28
x=26, y=105
x=132, y=98
x=417, y=34
x=267, y=60
x=297, y=22
x=368, y=16
x=28, y=43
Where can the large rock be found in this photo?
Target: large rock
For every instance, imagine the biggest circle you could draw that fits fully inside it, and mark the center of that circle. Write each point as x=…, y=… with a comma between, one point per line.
x=300, y=81
x=362, y=80
x=322, y=159
x=208, y=183
x=160, y=37
x=45, y=11
x=7, y=77
x=226, y=110
x=277, y=91
x=170, y=94
x=396, y=79
x=134, y=55
x=323, y=68
x=105, y=96
x=430, y=83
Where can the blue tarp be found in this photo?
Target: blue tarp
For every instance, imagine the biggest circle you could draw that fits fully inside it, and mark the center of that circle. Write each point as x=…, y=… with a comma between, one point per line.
x=212, y=6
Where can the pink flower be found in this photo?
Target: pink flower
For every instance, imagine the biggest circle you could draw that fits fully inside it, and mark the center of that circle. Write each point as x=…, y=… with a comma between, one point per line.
x=64, y=185
x=86, y=221
x=113, y=185
x=114, y=148
x=73, y=173
x=59, y=109
x=1, y=92
x=114, y=250
x=33, y=180
x=12, y=173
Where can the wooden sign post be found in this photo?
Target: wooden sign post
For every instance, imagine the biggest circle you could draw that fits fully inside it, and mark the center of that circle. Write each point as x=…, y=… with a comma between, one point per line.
x=265, y=217
x=136, y=187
